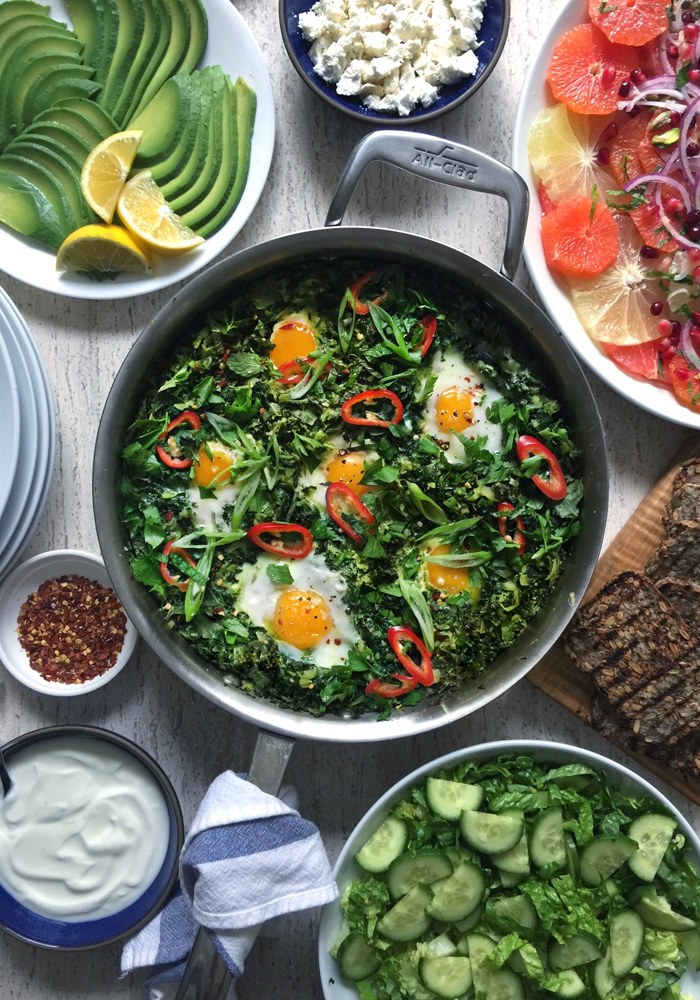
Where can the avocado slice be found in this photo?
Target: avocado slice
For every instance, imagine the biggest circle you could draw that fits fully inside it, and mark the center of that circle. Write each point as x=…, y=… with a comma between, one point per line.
x=105, y=45
x=228, y=161
x=192, y=169
x=90, y=110
x=208, y=171
x=27, y=210
x=40, y=132
x=75, y=121
x=131, y=20
x=171, y=165
x=199, y=30
x=19, y=8
x=178, y=44
x=245, y=122
x=87, y=26
x=163, y=18
x=148, y=43
x=163, y=121
x=64, y=167
x=44, y=180
x=22, y=20
x=34, y=40
x=63, y=79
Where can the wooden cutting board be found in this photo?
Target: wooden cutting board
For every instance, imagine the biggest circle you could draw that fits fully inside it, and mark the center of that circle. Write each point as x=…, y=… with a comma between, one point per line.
x=556, y=675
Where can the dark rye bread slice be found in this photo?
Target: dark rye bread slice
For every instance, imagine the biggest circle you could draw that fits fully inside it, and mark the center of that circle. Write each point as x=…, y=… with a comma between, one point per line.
x=689, y=473
x=683, y=511
x=679, y=557
x=685, y=597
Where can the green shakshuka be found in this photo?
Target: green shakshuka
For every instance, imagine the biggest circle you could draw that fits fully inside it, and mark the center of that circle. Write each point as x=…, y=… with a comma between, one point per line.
x=350, y=488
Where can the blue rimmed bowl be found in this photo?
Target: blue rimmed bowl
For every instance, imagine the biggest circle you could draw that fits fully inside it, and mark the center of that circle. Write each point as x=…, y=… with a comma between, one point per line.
x=491, y=37
x=61, y=935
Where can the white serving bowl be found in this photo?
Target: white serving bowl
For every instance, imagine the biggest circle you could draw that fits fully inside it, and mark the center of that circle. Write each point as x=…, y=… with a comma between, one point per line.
x=22, y=582
x=552, y=288
x=347, y=870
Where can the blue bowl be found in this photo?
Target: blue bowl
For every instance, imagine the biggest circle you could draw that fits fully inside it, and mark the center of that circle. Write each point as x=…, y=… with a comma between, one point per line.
x=28, y=926
x=492, y=36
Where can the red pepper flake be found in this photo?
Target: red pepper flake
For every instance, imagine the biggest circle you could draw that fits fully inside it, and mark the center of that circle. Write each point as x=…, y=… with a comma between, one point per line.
x=72, y=629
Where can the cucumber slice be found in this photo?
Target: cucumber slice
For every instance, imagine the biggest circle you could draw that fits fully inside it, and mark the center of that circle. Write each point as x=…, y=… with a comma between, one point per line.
x=518, y=908
x=509, y=879
x=442, y=945
x=449, y=977
x=578, y=950
x=480, y=947
x=626, y=940
x=516, y=860
x=656, y=911
x=612, y=888
x=460, y=895
x=653, y=833
x=570, y=984
x=384, y=846
x=504, y=985
x=407, y=920
x=602, y=856
x=357, y=959
x=603, y=979
x=690, y=943
x=547, y=839
x=426, y=868
x=573, y=862
x=491, y=833
x=447, y=799
x=466, y=925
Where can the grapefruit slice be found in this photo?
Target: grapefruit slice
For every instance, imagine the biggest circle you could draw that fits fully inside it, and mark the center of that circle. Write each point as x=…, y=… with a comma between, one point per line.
x=562, y=155
x=577, y=74
x=546, y=203
x=629, y=22
x=613, y=308
x=639, y=359
x=580, y=237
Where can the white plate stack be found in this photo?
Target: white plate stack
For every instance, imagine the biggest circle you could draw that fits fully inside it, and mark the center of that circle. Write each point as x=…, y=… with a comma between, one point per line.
x=27, y=434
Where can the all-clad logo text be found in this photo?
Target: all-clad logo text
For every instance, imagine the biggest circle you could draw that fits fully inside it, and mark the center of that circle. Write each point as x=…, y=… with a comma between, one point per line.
x=443, y=161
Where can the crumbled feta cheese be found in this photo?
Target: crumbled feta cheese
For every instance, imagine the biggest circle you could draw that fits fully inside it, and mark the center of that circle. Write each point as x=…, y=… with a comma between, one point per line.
x=394, y=55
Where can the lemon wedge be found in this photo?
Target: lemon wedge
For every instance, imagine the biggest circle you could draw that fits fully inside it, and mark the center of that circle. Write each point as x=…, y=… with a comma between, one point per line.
x=103, y=249
x=145, y=212
x=106, y=170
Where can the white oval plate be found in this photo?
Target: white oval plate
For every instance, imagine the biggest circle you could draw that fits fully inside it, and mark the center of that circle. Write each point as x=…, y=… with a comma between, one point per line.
x=335, y=986
x=552, y=289
x=9, y=419
x=231, y=45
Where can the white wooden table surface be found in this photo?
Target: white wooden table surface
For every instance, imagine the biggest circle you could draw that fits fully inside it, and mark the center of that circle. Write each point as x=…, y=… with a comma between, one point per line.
x=83, y=344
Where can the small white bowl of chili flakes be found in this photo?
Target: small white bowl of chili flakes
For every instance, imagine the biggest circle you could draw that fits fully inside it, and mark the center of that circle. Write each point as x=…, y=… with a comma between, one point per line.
x=63, y=630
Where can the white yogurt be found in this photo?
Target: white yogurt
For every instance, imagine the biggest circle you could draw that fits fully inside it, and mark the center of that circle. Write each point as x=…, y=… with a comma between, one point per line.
x=84, y=830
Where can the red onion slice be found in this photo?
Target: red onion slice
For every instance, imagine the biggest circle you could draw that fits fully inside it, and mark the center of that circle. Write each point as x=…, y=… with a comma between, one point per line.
x=687, y=346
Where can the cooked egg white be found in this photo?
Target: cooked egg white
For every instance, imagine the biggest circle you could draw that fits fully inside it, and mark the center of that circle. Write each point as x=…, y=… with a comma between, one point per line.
x=308, y=617
x=458, y=402
x=341, y=464
x=213, y=472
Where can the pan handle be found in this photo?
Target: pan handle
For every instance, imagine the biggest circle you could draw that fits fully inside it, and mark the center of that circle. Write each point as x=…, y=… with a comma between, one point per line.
x=439, y=160
x=206, y=976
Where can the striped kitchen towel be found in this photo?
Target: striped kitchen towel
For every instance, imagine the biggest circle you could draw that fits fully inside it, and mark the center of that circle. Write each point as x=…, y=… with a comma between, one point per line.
x=247, y=858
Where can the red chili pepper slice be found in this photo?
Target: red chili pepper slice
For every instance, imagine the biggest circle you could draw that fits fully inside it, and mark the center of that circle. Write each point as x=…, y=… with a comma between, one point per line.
x=386, y=690
x=362, y=308
x=340, y=496
x=293, y=373
x=188, y=417
x=371, y=419
x=282, y=546
x=423, y=671
x=429, y=324
x=519, y=534
x=554, y=486
x=168, y=549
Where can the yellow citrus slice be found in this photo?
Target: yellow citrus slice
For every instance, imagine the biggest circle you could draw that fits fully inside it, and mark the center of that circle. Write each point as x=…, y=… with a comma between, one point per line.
x=143, y=210
x=103, y=249
x=106, y=170
x=614, y=306
x=562, y=154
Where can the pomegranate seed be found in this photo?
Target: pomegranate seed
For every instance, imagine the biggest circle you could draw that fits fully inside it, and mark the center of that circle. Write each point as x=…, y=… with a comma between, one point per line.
x=696, y=318
x=656, y=308
x=684, y=374
x=693, y=233
x=603, y=156
x=687, y=17
x=624, y=88
x=670, y=354
x=694, y=76
x=223, y=382
x=694, y=256
x=674, y=118
x=675, y=329
x=685, y=51
x=672, y=51
x=169, y=516
x=665, y=343
x=691, y=32
x=692, y=218
x=672, y=205
x=651, y=253
x=608, y=77
x=636, y=110
x=692, y=149
x=609, y=132
x=638, y=76
x=695, y=333
x=664, y=329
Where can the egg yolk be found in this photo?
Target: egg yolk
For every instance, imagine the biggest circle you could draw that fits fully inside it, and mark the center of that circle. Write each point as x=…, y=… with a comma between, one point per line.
x=349, y=469
x=302, y=618
x=454, y=409
x=292, y=340
x=448, y=579
x=214, y=471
